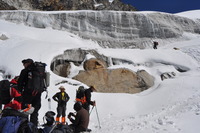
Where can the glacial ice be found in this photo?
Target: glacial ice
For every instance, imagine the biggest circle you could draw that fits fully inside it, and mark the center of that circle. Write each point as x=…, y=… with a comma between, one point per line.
x=112, y=29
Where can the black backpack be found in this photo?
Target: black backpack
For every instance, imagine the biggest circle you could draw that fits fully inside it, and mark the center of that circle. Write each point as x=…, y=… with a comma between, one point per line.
x=5, y=92
x=57, y=128
x=80, y=95
x=38, y=78
x=80, y=92
x=27, y=127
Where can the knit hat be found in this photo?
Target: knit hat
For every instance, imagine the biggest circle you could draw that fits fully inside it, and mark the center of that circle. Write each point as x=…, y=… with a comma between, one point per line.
x=27, y=61
x=77, y=106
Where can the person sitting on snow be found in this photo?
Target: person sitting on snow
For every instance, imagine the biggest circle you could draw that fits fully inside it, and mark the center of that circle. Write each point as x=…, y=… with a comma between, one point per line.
x=80, y=121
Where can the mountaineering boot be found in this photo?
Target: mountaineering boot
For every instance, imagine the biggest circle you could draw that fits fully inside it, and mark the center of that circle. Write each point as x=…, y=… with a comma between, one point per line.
x=86, y=131
x=63, y=120
x=57, y=120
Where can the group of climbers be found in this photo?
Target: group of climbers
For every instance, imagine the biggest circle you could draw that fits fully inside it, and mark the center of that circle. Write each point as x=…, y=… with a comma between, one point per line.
x=80, y=119
x=16, y=95
x=25, y=101
x=20, y=96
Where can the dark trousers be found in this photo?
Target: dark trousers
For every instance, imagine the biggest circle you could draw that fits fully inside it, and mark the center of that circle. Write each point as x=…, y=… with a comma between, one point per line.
x=77, y=129
x=35, y=101
x=61, y=110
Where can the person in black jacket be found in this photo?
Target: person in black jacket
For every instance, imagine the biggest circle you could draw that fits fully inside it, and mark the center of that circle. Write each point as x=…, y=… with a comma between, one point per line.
x=0, y=107
x=155, y=45
x=27, y=96
x=62, y=98
x=88, y=98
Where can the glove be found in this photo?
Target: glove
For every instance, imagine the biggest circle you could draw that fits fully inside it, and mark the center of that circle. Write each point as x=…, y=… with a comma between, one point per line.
x=94, y=103
x=29, y=110
x=70, y=114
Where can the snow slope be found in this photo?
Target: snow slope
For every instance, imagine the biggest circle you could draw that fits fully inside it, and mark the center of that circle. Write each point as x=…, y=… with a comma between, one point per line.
x=193, y=14
x=170, y=106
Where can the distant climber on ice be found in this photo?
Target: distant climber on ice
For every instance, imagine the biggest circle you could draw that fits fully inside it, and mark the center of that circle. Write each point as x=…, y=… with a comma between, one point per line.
x=155, y=44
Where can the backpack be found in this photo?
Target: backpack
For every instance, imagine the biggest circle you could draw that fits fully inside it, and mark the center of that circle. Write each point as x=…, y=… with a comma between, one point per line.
x=49, y=117
x=57, y=128
x=5, y=91
x=80, y=95
x=13, y=121
x=10, y=124
x=9, y=92
x=27, y=127
x=38, y=78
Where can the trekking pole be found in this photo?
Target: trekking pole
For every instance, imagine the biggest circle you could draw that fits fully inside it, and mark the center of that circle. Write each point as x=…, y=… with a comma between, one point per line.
x=53, y=128
x=91, y=110
x=49, y=101
x=97, y=116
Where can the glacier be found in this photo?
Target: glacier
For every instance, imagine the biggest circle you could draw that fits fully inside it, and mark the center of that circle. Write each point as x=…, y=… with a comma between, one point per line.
x=110, y=29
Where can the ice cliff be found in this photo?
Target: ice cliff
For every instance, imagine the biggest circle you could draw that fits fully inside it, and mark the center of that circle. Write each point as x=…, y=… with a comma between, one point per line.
x=113, y=29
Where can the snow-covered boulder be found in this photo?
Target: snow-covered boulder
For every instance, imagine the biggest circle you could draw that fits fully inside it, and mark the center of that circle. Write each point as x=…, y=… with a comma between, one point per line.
x=3, y=37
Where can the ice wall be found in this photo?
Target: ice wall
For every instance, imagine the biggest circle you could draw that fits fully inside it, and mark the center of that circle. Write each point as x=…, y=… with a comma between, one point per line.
x=109, y=28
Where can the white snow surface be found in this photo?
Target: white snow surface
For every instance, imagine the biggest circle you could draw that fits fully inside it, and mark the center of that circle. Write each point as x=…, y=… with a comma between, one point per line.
x=170, y=106
x=193, y=14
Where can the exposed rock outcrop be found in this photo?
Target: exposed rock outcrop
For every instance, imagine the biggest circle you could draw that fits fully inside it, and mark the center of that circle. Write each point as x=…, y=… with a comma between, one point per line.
x=96, y=72
x=115, y=80
x=93, y=64
x=55, y=5
x=167, y=75
x=77, y=57
x=63, y=69
x=116, y=5
x=5, y=6
x=146, y=77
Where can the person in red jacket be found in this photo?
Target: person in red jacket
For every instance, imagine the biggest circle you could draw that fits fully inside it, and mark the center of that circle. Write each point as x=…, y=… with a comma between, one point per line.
x=16, y=102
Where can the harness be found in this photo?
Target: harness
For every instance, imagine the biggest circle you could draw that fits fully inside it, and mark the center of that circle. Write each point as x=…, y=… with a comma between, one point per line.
x=82, y=100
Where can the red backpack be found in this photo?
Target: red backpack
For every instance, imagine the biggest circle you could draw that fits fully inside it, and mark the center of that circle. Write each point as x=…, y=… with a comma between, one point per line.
x=10, y=96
